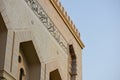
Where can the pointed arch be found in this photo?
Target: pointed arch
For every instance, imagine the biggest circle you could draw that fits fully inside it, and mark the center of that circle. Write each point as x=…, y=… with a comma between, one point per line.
x=55, y=75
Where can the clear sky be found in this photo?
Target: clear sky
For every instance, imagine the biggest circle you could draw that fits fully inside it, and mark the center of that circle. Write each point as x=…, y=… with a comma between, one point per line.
x=99, y=24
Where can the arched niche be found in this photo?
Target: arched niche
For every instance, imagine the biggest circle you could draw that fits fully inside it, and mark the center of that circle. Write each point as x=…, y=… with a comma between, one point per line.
x=72, y=63
x=55, y=75
x=29, y=62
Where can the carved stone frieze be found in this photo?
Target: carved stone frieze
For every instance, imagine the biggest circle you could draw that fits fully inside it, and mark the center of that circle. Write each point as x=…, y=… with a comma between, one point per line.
x=44, y=18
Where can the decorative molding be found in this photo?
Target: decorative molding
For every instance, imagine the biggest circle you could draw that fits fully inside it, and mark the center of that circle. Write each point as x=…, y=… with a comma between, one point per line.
x=11, y=64
x=44, y=18
x=63, y=14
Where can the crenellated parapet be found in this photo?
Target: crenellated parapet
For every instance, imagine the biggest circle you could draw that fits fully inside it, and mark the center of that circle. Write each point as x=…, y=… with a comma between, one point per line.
x=58, y=3
x=67, y=20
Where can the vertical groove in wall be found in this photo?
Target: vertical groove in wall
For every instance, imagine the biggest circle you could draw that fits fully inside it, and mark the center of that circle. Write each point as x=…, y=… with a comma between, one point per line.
x=68, y=62
x=12, y=51
x=45, y=73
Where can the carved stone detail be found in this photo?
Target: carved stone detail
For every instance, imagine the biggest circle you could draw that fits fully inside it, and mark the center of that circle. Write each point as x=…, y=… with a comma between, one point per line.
x=44, y=18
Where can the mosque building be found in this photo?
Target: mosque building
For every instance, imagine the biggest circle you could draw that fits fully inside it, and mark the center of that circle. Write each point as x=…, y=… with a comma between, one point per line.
x=38, y=41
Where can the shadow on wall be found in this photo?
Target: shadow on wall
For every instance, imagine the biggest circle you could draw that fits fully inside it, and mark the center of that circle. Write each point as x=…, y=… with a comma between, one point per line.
x=29, y=63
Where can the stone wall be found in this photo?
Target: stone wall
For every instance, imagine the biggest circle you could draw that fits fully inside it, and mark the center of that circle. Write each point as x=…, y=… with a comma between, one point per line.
x=39, y=22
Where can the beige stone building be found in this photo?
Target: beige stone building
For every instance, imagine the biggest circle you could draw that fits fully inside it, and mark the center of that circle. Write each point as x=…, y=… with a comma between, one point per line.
x=38, y=41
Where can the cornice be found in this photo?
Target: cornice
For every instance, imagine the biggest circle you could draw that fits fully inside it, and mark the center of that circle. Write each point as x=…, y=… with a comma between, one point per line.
x=67, y=21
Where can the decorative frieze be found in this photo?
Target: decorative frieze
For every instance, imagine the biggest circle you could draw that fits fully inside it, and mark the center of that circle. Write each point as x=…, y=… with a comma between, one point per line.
x=44, y=18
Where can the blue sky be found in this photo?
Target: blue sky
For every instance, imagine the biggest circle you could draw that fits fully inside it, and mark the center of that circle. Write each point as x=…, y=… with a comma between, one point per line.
x=99, y=24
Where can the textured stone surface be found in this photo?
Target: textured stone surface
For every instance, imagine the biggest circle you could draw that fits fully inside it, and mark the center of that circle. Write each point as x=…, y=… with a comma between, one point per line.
x=49, y=34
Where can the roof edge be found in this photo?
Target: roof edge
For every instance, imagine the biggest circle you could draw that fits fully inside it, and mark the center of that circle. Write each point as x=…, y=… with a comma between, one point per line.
x=63, y=14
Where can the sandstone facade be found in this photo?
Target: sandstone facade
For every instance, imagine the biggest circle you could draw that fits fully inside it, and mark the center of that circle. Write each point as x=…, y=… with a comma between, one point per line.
x=38, y=41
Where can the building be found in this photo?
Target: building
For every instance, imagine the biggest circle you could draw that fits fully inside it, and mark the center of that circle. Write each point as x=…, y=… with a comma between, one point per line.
x=38, y=41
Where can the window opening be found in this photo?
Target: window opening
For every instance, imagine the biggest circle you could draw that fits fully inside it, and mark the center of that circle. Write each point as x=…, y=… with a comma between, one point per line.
x=73, y=63
x=21, y=74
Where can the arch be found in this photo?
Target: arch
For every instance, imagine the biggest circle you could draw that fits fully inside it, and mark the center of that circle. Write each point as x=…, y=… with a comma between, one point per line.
x=22, y=73
x=55, y=75
x=72, y=63
x=31, y=62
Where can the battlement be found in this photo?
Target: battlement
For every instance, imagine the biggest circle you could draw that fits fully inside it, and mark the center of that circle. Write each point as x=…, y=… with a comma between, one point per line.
x=66, y=18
